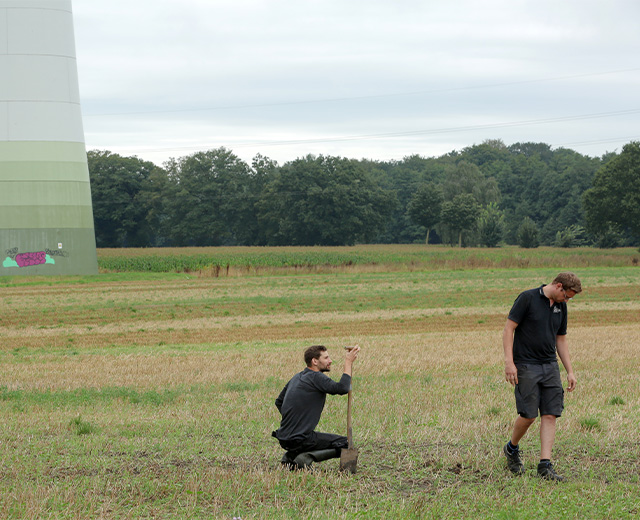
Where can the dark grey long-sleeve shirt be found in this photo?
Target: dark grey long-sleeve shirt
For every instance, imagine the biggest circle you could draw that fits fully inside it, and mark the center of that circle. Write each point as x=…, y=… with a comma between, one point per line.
x=302, y=400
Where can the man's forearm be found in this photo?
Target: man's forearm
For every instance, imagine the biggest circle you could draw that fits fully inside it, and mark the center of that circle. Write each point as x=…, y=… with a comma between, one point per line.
x=507, y=345
x=510, y=370
x=352, y=354
x=563, y=352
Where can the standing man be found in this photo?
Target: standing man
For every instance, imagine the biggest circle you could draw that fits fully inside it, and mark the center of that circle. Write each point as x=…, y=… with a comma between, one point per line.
x=301, y=403
x=535, y=330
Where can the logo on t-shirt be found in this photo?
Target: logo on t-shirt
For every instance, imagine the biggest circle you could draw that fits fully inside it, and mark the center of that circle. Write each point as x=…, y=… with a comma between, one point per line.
x=556, y=310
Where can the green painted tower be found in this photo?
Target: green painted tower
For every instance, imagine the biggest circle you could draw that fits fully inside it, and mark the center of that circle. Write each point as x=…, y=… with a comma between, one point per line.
x=46, y=217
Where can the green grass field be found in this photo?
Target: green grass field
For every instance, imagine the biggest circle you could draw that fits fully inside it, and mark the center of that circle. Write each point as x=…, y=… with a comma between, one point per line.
x=150, y=395
x=239, y=261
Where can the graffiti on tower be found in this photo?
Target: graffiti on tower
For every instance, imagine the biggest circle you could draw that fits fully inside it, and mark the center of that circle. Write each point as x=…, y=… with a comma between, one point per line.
x=27, y=259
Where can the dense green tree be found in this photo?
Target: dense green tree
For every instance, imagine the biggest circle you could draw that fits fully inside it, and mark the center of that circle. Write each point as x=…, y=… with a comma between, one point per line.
x=490, y=225
x=157, y=194
x=460, y=214
x=394, y=177
x=540, y=150
x=214, y=198
x=560, y=192
x=207, y=198
x=466, y=177
x=609, y=239
x=121, y=192
x=323, y=201
x=528, y=234
x=249, y=228
x=425, y=207
x=487, y=153
x=520, y=192
x=614, y=200
x=571, y=236
x=403, y=178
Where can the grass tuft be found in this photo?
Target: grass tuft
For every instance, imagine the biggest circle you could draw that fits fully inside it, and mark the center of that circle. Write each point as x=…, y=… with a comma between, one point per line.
x=590, y=424
x=80, y=427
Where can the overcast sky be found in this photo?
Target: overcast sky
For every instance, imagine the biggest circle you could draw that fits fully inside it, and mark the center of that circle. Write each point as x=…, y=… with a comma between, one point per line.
x=375, y=79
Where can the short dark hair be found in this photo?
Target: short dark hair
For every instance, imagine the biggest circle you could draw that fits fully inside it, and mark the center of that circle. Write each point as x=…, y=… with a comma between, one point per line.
x=569, y=281
x=313, y=352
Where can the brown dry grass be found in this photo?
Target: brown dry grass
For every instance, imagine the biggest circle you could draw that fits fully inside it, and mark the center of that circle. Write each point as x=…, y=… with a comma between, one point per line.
x=77, y=333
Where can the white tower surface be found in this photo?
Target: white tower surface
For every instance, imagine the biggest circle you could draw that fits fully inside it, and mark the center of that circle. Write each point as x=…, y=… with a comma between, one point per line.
x=46, y=217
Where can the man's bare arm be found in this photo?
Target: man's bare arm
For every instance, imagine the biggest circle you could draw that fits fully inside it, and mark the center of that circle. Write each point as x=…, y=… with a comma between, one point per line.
x=562, y=346
x=350, y=357
x=510, y=370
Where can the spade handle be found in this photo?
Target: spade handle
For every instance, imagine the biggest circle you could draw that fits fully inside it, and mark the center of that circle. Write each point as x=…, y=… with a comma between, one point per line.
x=349, y=403
x=349, y=431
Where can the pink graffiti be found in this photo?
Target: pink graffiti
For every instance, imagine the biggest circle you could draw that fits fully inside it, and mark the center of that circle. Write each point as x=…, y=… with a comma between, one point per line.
x=27, y=259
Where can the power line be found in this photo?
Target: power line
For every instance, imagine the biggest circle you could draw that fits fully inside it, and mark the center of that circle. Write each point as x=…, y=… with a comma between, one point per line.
x=356, y=98
x=434, y=131
x=600, y=141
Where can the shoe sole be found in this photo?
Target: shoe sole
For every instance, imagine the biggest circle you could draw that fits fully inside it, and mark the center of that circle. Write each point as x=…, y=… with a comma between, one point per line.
x=551, y=478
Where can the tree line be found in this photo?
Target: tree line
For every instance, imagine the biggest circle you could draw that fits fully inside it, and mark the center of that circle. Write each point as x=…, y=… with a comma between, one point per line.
x=484, y=195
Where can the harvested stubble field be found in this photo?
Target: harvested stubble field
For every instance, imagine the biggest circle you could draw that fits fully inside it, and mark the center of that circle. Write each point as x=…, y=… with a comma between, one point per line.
x=151, y=395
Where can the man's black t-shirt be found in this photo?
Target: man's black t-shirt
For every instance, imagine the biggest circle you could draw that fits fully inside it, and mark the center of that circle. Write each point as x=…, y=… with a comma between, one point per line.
x=534, y=340
x=302, y=400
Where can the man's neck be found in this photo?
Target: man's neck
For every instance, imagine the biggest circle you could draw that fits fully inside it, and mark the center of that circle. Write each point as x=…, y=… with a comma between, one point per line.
x=547, y=290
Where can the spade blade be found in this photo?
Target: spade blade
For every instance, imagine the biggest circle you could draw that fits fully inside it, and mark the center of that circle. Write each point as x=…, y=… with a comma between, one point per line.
x=349, y=460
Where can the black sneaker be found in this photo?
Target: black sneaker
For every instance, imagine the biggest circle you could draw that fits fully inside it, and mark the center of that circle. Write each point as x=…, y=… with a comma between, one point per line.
x=514, y=462
x=546, y=471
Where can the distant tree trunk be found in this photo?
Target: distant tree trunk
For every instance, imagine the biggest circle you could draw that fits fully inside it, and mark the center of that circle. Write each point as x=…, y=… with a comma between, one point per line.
x=427, y=240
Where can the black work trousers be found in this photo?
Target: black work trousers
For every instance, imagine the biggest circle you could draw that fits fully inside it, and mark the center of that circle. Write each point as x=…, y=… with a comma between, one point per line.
x=315, y=441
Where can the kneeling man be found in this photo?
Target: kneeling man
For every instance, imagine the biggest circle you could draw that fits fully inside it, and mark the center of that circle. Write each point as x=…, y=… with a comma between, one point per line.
x=301, y=403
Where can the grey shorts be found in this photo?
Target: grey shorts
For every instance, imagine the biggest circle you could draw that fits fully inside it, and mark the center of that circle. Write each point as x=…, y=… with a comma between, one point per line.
x=539, y=388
